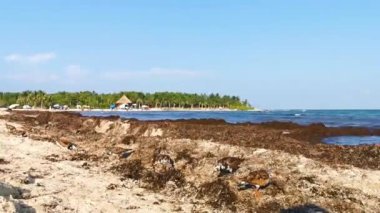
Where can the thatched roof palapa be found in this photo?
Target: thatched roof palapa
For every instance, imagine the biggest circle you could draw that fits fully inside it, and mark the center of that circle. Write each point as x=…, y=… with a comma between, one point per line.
x=123, y=100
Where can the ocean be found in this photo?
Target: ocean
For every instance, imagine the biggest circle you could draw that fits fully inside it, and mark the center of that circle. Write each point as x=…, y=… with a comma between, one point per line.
x=330, y=118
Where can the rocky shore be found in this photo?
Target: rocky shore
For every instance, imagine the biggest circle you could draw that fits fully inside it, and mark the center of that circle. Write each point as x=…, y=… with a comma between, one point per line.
x=62, y=162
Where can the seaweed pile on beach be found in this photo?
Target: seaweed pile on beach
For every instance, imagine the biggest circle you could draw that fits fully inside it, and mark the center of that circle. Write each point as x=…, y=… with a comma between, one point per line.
x=184, y=160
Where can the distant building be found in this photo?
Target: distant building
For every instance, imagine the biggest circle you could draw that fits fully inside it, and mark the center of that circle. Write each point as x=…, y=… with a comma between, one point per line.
x=123, y=102
x=14, y=106
x=26, y=107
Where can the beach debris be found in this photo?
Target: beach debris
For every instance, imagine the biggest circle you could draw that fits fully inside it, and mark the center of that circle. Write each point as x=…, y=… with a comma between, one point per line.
x=186, y=156
x=72, y=146
x=153, y=132
x=129, y=139
x=2, y=161
x=209, y=155
x=228, y=165
x=86, y=165
x=10, y=127
x=218, y=194
x=112, y=186
x=52, y=158
x=23, y=134
x=132, y=207
x=9, y=190
x=40, y=185
x=162, y=162
x=49, y=206
x=158, y=180
x=305, y=208
x=257, y=179
x=28, y=180
x=177, y=209
x=84, y=157
x=126, y=153
x=132, y=169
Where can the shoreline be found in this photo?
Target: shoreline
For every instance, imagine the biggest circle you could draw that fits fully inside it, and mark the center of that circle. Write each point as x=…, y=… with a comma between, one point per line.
x=134, y=110
x=332, y=178
x=313, y=132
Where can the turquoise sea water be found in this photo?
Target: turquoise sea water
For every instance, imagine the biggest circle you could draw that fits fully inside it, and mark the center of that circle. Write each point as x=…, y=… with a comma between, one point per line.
x=353, y=140
x=331, y=118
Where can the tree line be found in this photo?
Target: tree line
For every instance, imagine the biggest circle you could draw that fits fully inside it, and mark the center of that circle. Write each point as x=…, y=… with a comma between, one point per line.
x=42, y=99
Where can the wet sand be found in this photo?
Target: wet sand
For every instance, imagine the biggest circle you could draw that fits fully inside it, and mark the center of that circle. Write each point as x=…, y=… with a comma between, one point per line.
x=306, y=174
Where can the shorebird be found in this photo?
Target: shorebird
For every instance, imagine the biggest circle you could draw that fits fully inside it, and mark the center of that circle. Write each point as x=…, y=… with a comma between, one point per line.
x=126, y=153
x=228, y=165
x=162, y=162
x=258, y=179
x=72, y=146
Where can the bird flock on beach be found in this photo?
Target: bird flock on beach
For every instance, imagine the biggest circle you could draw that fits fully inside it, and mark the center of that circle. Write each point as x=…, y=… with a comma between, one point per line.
x=162, y=162
x=227, y=166
x=256, y=179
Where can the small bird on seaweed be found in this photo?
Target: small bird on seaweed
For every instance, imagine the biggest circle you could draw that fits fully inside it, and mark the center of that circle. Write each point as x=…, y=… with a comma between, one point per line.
x=126, y=153
x=162, y=162
x=72, y=146
x=257, y=179
x=228, y=165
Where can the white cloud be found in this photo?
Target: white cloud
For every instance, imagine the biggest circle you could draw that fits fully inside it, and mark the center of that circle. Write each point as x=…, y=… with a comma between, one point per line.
x=34, y=58
x=41, y=57
x=32, y=77
x=13, y=57
x=75, y=77
x=68, y=75
x=75, y=72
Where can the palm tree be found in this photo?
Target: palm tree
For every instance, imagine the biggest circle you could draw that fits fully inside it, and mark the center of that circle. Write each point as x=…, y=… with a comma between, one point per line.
x=139, y=101
x=158, y=99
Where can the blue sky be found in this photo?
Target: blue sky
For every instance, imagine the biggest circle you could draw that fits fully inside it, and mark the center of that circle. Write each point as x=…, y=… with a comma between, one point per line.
x=277, y=54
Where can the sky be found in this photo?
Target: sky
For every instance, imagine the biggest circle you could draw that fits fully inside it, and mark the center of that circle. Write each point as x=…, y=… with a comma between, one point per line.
x=294, y=54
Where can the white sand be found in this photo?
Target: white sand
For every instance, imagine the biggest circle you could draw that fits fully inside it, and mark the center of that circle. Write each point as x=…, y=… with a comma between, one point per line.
x=66, y=186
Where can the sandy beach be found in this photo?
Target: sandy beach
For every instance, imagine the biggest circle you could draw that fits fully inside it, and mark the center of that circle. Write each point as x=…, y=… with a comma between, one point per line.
x=190, y=106
x=61, y=162
x=37, y=183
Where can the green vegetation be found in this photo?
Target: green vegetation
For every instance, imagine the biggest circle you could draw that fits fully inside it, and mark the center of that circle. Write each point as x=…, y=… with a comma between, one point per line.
x=95, y=100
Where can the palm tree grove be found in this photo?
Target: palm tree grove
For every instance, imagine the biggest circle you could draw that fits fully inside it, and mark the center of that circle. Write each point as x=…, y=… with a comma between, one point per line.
x=41, y=99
